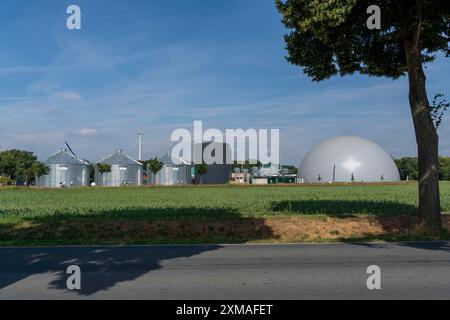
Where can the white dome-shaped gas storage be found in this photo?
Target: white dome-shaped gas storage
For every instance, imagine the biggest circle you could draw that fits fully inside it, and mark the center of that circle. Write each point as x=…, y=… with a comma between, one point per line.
x=347, y=159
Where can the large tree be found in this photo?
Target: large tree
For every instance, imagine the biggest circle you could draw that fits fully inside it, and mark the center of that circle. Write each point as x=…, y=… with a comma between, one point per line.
x=40, y=169
x=16, y=163
x=331, y=37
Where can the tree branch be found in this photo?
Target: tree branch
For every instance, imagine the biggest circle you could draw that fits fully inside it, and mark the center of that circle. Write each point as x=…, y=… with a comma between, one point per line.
x=417, y=33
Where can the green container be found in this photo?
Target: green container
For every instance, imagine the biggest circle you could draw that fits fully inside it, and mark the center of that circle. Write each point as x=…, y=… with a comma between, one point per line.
x=274, y=180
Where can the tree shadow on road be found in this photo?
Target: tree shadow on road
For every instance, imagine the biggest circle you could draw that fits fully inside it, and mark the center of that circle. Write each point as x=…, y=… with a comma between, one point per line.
x=101, y=267
x=108, y=266
x=425, y=245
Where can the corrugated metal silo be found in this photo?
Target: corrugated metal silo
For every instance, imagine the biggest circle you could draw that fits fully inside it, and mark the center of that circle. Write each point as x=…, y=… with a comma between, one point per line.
x=172, y=173
x=66, y=170
x=124, y=171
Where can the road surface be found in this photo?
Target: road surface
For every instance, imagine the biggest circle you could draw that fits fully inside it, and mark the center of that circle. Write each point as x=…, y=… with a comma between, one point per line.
x=409, y=270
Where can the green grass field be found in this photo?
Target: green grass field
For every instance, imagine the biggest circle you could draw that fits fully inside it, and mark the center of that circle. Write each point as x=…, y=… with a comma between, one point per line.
x=31, y=215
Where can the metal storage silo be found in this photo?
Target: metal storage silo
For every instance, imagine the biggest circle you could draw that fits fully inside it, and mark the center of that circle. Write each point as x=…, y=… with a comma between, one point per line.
x=124, y=171
x=66, y=170
x=173, y=172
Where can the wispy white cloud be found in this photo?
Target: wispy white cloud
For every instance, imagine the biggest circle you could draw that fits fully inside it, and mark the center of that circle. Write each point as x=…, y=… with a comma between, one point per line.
x=20, y=98
x=61, y=95
x=67, y=95
x=86, y=132
x=22, y=70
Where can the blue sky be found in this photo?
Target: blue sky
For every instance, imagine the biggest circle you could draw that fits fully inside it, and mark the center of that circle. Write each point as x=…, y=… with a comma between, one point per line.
x=168, y=63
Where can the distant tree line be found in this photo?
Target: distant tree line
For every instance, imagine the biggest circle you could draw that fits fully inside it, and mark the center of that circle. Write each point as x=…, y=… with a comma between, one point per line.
x=409, y=168
x=19, y=166
x=247, y=164
x=292, y=169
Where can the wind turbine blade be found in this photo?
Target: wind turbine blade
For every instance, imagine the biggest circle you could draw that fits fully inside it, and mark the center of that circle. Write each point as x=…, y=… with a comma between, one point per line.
x=70, y=149
x=132, y=124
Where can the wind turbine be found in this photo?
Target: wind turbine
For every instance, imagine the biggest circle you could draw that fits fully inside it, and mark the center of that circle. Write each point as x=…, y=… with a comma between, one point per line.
x=140, y=133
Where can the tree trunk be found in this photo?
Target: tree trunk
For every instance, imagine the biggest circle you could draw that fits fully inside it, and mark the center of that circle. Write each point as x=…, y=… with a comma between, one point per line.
x=426, y=138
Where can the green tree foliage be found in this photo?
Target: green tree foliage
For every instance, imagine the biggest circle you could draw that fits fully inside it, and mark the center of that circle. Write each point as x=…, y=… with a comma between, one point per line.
x=5, y=181
x=201, y=169
x=438, y=107
x=292, y=169
x=103, y=168
x=444, y=168
x=247, y=164
x=145, y=163
x=40, y=169
x=409, y=167
x=155, y=165
x=331, y=37
x=16, y=163
x=91, y=172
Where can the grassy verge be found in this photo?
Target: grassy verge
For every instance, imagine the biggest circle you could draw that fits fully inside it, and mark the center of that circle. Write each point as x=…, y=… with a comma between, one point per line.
x=213, y=215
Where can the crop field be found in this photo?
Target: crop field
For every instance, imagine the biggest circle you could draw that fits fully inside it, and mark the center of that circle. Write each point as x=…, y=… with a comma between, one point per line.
x=210, y=214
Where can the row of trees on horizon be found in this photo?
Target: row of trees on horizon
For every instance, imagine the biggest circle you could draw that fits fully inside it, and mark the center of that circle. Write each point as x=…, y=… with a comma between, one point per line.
x=24, y=166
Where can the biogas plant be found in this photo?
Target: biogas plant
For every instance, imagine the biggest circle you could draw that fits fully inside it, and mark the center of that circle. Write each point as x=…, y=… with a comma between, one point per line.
x=340, y=159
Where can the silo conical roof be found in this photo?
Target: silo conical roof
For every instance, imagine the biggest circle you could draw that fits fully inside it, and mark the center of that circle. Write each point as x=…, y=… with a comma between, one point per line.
x=64, y=157
x=169, y=159
x=119, y=158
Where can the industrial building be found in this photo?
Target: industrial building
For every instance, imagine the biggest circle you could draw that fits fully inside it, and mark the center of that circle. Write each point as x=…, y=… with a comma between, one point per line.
x=174, y=172
x=66, y=170
x=218, y=173
x=124, y=171
x=348, y=159
x=269, y=170
x=240, y=176
x=271, y=173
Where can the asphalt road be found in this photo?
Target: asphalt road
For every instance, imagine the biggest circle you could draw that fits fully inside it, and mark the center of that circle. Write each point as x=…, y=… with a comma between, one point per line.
x=301, y=271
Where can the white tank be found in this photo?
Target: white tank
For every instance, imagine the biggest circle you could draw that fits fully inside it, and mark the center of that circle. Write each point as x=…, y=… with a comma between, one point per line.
x=347, y=159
